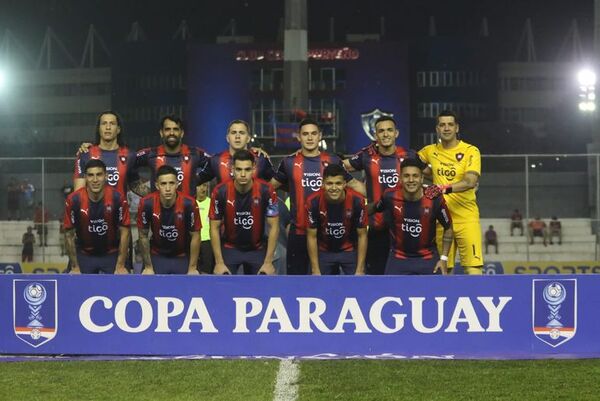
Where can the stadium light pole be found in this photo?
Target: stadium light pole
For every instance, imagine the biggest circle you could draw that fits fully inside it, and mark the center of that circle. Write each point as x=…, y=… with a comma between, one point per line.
x=586, y=79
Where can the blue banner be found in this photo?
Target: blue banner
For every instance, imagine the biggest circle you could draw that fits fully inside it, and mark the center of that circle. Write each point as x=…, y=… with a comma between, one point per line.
x=500, y=316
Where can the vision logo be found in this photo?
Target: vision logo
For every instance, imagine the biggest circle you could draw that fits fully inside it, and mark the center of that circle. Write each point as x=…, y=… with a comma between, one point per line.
x=35, y=311
x=554, y=310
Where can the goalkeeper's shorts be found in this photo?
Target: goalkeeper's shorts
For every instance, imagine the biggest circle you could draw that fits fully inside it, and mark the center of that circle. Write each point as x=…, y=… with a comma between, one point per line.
x=467, y=238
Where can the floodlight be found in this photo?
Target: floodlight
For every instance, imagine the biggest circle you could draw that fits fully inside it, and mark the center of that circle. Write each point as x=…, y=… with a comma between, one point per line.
x=586, y=77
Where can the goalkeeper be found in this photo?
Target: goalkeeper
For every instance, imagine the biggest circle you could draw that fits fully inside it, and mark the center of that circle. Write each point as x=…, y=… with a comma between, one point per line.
x=455, y=168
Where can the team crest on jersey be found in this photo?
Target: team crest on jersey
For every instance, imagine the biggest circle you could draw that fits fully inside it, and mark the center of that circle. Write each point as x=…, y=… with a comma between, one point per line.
x=426, y=210
x=256, y=201
x=123, y=159
x=368, y=121
x=179, y=215
x=108, y=208
x=35, y=311
x=554, y=310
x=459, y=156
x=186, y=158
x=348, y=213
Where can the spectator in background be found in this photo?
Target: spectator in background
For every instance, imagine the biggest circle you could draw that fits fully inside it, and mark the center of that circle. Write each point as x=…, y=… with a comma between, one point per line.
x=27, y=191
x=206, y=263
x=28, y=241
x=555, y=230
x=66, y=189
x=537, y=228
x=491, y=238
x=40, y=218
x=516, y=221
x=12, y=199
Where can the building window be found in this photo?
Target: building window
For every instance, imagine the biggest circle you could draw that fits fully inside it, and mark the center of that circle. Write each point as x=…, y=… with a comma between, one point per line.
x=421, y=79
x=434, y=78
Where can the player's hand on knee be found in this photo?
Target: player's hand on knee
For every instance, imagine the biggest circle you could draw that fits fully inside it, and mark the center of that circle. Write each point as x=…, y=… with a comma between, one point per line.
x=221, y=268
x=75, y=270
x=148, y=270
x=120, y=269
x=267, y=268
x=193, y=271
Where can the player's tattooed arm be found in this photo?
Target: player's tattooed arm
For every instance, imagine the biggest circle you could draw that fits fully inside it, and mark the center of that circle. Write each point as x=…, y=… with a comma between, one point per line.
x=140, y=187
x=145, y=250
x=313, y=250
x=71, y=250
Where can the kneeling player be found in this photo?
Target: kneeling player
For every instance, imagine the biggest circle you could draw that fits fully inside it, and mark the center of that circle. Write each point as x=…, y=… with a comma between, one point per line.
x=241, y=206
x=174, y=220
x=411, y=218
x=337, y=226
x=99, y=216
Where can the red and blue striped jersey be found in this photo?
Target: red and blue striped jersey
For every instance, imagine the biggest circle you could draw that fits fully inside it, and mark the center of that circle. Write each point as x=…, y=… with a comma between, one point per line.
x=303, y=176
x=171, y=227
x=187, y=161
x=336, y=223
x=243, y=215
x=412, y=223
x=381, y=173
x=97, y=223
x=120, y=165
x=220, y=167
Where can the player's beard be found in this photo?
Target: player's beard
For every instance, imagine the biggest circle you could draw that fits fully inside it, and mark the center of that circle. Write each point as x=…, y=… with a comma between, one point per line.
x=171, y=144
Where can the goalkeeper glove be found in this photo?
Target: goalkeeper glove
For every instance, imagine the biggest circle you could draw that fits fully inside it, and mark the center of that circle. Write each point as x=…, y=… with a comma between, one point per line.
x=434, y=191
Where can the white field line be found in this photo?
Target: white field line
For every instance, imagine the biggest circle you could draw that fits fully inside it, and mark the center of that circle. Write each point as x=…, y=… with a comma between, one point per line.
x=286, y=383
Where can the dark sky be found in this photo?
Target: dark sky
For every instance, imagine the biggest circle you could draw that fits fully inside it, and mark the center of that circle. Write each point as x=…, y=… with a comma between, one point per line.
x=27, y=19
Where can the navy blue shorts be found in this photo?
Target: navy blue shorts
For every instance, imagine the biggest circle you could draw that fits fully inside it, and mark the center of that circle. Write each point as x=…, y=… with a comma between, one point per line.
x=251, y=261
x=330, y=263
x=297, y=260
x=170, y=265
x=95, y=264
x=410, y=266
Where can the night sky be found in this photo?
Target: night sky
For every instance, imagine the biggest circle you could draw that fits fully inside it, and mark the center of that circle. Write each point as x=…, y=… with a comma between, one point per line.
x=405, y=19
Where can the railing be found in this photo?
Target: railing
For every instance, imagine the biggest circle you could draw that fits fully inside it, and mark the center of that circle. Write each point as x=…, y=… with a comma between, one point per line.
x=567, y=186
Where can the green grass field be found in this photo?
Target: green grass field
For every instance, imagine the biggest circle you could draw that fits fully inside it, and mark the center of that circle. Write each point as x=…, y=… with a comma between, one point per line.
x=233, y=380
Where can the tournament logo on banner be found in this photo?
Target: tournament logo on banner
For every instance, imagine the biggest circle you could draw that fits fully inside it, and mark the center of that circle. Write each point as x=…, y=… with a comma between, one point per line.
x=368, y=121
x=554, y=310
x=35, y=311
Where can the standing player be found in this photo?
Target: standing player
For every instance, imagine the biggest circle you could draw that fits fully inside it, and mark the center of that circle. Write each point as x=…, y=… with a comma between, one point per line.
x=412, y=218
x=337, y=226
x=238, y=212
x=455, y=168
x=238, y=137
x=186, y=160
x=110, y=148
x=301, y=174
x=174, y=220
x=381, y=164
x=96, y=225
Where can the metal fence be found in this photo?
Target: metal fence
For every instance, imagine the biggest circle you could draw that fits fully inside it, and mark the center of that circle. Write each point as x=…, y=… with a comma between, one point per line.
x=567, y=186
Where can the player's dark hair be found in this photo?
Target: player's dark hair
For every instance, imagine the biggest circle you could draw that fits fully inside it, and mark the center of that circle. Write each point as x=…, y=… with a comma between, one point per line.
x=333, y=170
x=173, y=118
x=94, y=163
x=308, y=121
x=239, y=122
x=447, y=113
x=243, y=155
x=120, y=140
x=384, y=118
x=412, y=162
x=165, y=170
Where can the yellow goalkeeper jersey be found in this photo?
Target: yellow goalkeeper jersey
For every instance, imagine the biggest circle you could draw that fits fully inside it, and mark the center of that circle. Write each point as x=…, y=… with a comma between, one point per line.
x=449, y=166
